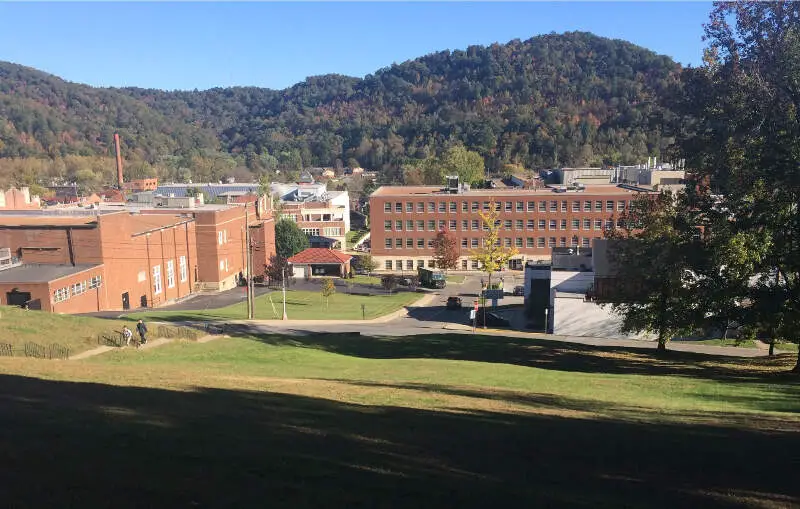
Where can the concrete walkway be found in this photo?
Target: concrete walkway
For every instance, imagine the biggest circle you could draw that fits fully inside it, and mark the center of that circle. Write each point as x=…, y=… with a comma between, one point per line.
x=152, y=343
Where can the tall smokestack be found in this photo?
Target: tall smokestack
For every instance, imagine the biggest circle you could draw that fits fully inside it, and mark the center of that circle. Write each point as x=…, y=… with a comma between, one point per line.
x=119, y=160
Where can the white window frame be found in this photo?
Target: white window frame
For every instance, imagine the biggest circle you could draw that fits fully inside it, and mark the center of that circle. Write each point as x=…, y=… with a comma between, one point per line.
x=219, y=238
x=157, y=288
x=184, y=270
x=170, y=273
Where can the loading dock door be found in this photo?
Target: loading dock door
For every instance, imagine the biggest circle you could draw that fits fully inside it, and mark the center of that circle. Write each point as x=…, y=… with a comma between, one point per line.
x=126, y=301
x=17, y=298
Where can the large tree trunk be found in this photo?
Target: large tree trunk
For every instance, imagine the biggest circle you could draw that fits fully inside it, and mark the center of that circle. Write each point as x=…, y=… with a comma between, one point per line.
x=662, y=342
x=797, y=364
x=771, y=348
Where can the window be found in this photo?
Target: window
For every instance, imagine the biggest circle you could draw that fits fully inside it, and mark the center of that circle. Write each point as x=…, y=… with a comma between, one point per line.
x=585, y=242
x=332, y=231
x=442, y=224
x=79, y=288
x=398, y=207
x=540, y=242
x=219, y=238
x=576, y=224
x=542, y=206
x=398, y=225
x=420, y=207
x=518, y=224
x=598, y=206
x=431, y=206
x=61, y=294
x=409, y=207
x=431, y=263
x=183, y=269
x=520, y=206
x=531, y=206
x=563, y=205
x=453, y=224
x=464, y=206
x=620, y=223
x=531, y=224
x=621, y=205
x=388, y=264
x=610, y=206
x=474, y=264
x=387, y=226
x=551, y=242
x=474, y=206
x=409, y=243
x=574, y=241
x=473, y=242
x=170, y=273
x=398, y=243
x=553, y=206
x=430, y=243
x=420, y=243
x=420, y=263
x=226, y=265
x=420, y=225
x=157, y=279
x=464, y=224
x=409, y=225
x=311, y=231
x=576, y=206
x=562, y=242
x=507, y=224
x=587, y=206
x=587, y=224
x=388, y=244
x=464, y=264
x=529, y=242
x=497, y=206
x=507, y=242
x=221, y=265
x=552, y=224
x=509, y=205
x=563, y=224
x=598, y=224
x=485, y=206
x=442, y=207
x=387, y=207
x=410, y=264
x=518, y=242
x=542, y=224
x=290, y=217
x=453, y=207
x=431, y=225
x=95, y=282
x=609, y=224
x=225, y=236
x=464, y=243
x=475, y=224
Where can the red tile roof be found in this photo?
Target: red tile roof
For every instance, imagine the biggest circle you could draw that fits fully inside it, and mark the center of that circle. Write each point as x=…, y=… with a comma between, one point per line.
x=320, y=255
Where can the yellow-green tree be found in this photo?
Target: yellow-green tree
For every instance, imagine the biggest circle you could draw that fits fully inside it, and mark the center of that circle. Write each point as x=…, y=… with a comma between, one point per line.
x=328, y=289
x=491, y=256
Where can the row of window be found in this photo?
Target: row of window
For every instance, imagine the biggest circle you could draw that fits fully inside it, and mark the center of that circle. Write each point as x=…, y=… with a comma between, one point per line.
x=184, y=274
x=527, y=242
x=519, y=206
x=409, y=264
x=62, y=294
x=508, y=224
x=330, y=231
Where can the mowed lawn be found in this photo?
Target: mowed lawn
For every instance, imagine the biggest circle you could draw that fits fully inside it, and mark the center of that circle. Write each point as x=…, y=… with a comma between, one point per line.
x=300, y=305
x=424, y=421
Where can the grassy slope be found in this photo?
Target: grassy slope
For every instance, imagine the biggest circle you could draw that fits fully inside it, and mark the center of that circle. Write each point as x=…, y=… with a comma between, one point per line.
x=300, y=305
x=446, y=420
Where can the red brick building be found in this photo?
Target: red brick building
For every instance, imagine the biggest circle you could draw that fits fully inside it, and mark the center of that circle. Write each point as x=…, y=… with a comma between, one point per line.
x=404, y=220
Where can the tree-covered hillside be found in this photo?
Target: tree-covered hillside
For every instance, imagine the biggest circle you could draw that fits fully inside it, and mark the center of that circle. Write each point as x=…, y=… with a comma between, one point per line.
x=553, y=100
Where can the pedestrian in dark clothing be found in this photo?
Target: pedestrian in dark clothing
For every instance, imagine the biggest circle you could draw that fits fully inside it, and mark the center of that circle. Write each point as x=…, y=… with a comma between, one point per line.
x=141, y=328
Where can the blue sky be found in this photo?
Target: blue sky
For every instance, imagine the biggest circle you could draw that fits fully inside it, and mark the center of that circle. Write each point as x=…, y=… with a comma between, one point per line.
x=201, y=45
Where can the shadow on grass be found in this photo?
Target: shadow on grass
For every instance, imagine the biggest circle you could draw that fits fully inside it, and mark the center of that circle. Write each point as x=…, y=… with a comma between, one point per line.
x=117, y=446
x=548, y=354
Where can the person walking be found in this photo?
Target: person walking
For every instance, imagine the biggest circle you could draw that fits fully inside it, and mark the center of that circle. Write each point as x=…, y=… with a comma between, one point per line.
x=141, y=328
x=126, y=335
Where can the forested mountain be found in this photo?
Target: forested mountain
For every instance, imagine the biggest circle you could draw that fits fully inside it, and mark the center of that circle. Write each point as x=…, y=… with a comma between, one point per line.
x=553, y=100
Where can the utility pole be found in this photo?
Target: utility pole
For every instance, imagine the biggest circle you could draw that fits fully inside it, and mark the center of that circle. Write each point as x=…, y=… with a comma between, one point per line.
x=283, y=280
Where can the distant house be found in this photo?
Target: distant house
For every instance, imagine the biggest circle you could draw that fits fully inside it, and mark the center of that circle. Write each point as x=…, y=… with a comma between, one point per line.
x=328, y=173
x=316, y=261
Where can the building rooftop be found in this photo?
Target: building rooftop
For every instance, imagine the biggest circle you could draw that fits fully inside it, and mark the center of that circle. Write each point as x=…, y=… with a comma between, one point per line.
x=40, y=273
x=147, y=222
x=320, y=255
x=588, y=190
x=47, y=218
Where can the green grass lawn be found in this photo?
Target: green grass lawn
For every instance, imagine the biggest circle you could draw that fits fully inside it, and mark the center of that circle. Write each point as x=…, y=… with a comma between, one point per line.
x=424, y=421
x=747, y=343
x=366, y=280
x=455, y=278
x=352, y=237
x=300, y=305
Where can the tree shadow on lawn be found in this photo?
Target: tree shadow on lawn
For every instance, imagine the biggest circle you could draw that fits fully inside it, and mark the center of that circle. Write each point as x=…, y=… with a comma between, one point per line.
x=545, y=354
x=99, y=445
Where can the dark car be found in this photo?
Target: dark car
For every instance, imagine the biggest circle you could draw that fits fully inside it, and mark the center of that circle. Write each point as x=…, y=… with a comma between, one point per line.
x=454, y=303
x=519, y=291
x=492, y=319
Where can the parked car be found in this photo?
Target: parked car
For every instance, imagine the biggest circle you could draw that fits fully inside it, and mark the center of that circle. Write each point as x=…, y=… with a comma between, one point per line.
x=519, y=291
x=492, y=319
x=454, y=302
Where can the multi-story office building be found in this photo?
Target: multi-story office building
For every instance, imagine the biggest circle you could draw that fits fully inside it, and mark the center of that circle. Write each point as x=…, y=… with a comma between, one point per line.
x=405, y=220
